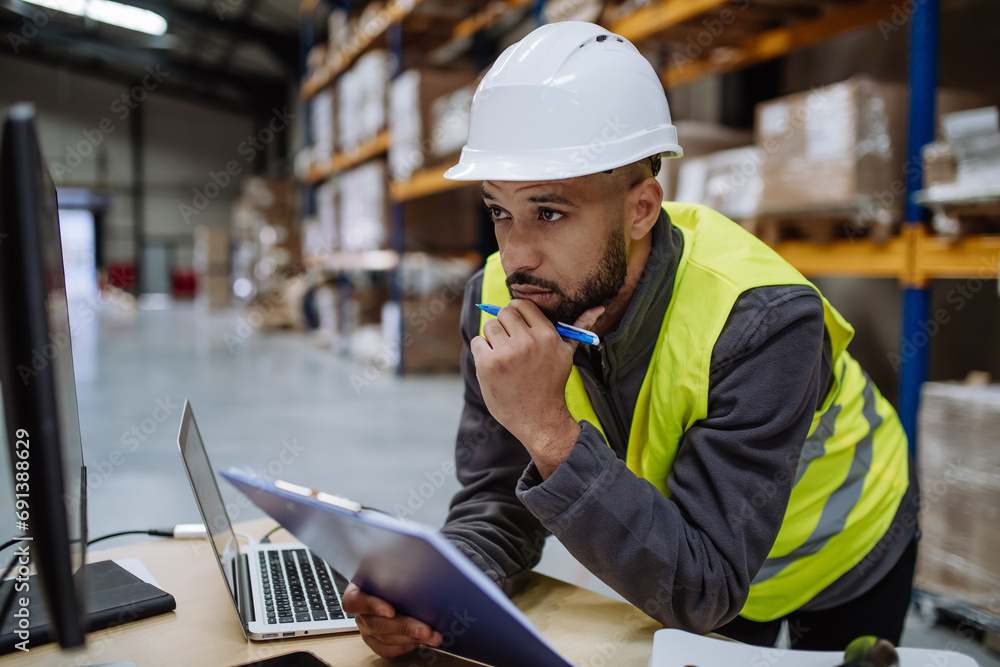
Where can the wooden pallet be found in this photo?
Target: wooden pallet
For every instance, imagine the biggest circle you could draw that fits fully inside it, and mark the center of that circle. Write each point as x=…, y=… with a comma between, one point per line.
x=825, y=227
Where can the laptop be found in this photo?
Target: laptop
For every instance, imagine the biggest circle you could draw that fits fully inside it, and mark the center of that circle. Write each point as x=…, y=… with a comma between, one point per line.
x=279, y=590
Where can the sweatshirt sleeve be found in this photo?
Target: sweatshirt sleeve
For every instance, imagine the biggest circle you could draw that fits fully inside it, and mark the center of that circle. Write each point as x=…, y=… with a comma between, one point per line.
x=486, y=521
x=688, y=560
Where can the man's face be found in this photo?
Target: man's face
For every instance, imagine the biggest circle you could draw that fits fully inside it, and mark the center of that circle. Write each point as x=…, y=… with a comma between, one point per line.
x=562, y=243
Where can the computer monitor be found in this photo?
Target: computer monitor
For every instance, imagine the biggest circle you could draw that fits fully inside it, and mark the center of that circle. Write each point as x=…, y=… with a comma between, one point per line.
x=39, y=390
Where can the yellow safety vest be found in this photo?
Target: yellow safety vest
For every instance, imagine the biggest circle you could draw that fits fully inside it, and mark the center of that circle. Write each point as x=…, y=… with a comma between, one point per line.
x=853, y=470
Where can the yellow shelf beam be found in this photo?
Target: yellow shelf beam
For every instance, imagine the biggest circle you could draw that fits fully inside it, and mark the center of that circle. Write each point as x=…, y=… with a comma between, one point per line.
x=914, y=257
x=363, y=37
x=652, y=19
x=348, y=159
x=307, y=7
x=485, y=18
x=777, y=42
x=425, y=182
x=858, y=257
x=974, y=256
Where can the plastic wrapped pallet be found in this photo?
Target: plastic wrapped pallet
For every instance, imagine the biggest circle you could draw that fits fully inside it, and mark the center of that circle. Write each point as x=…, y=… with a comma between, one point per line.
x=959, y=468
x=698, y=139
x=361, y=100
x=327, y=212
x=450, y=121
x=975, y=137
x=727, y=181
x=363, y=208
x=323, y=126
x=411, y=98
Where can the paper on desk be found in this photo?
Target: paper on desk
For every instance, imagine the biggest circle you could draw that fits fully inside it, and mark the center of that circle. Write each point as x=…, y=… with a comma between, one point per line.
x=135, y=566
x=676, y=648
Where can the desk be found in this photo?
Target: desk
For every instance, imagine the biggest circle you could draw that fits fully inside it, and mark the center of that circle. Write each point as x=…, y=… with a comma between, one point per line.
x=589, y=629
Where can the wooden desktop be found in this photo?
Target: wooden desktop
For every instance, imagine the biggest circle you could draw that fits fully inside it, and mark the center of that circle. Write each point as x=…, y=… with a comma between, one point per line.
x=589, y=629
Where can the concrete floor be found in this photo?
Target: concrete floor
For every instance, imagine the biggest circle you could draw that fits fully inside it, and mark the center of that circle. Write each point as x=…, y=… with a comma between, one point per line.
x=281, y=403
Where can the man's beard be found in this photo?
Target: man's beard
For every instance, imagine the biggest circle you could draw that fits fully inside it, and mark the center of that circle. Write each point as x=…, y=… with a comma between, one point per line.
x=597, y=289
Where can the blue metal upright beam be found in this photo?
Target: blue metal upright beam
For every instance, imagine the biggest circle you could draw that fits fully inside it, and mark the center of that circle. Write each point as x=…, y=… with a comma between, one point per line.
x=914, y=343
x=394, y=37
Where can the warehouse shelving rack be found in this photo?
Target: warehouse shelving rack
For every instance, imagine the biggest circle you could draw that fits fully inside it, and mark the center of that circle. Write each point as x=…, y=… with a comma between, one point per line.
x=914, y=257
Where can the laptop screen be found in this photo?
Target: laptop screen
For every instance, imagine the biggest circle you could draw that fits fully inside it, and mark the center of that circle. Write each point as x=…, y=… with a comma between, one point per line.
x=207, y=495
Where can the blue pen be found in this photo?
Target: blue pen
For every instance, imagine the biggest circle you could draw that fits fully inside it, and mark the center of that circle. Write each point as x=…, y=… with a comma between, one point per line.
x=563, y=329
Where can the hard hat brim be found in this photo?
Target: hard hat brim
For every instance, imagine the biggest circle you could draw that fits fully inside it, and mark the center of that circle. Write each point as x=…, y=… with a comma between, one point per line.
x=551, y=165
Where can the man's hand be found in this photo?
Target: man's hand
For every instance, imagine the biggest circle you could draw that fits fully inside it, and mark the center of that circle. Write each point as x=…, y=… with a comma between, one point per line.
x=522, y=365
x=384, y=632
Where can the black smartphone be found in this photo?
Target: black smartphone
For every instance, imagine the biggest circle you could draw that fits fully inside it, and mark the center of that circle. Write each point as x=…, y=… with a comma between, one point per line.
x=297, y=659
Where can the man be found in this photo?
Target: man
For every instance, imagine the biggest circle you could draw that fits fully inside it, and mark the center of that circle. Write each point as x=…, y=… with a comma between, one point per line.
x=718, y=459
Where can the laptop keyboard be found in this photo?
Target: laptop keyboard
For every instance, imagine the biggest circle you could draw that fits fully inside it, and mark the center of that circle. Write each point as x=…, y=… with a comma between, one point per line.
x=299, y=587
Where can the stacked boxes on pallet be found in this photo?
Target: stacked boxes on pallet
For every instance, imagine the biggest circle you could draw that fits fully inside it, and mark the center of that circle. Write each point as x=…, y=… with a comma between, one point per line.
x=363, y=208
x=839, y=152
x=413, y=98
x=361, y=100
x=424, y=335
x=428, y=110
x=834, y=149
x=267, y=231
x=960, y=487
x=211, y=264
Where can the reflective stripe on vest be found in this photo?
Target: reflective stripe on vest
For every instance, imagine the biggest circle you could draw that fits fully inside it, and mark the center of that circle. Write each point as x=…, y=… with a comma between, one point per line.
x=853, y=469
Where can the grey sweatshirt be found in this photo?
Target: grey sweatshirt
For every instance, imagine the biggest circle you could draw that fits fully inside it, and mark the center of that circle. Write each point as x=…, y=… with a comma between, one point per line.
x=687, y=561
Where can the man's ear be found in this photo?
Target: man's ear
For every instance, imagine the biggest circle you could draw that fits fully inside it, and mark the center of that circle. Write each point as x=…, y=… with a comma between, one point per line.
x=648, y=198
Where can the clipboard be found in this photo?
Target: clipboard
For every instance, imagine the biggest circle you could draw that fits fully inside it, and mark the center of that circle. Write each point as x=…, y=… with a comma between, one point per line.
x=409, y=565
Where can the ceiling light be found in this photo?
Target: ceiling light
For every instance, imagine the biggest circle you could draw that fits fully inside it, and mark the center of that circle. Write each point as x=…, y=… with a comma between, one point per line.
x=114, y=13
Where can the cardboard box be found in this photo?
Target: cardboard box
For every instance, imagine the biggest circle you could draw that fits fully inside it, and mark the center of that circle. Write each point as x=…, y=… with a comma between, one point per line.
x=269, y=194
x=211, y=250
x=959, y=469
x=214, y=290
x=431, y=340
x=443, y=222
x=836, y=147
x=411, y=119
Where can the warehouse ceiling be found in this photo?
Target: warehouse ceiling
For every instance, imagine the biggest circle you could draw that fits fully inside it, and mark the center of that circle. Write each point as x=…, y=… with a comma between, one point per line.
x=238, y=55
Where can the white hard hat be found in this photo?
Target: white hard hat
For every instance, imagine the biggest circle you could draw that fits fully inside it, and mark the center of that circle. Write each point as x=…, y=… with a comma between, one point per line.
x=570, y=99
